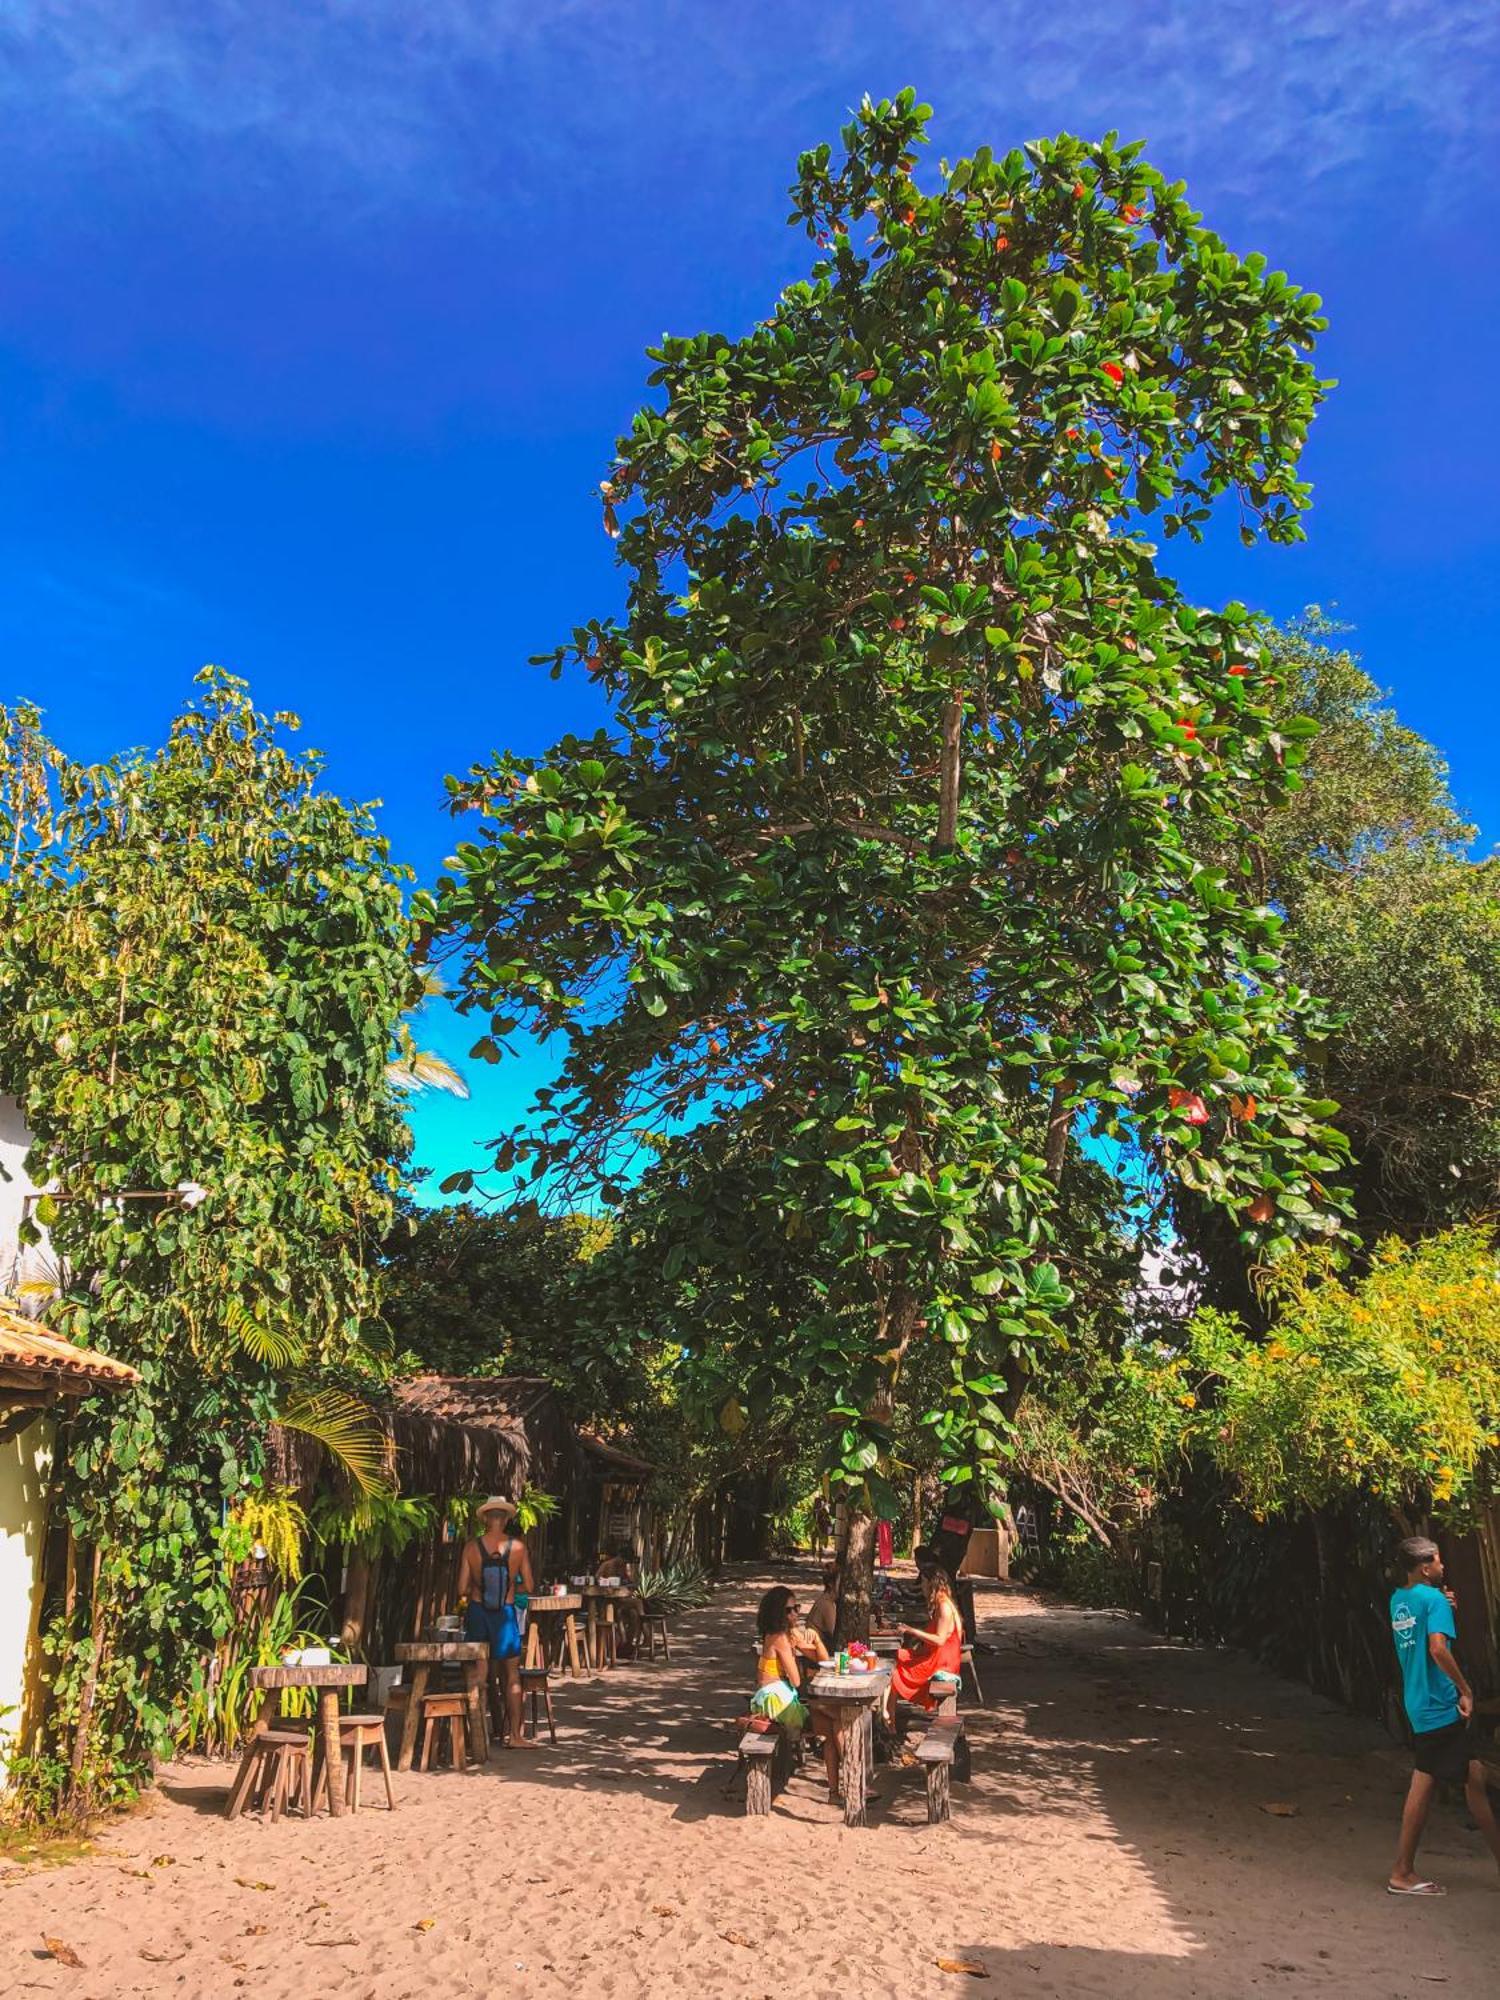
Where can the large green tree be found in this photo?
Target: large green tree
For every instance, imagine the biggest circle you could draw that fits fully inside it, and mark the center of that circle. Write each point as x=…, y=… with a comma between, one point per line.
x=1391, y=921
x=899, y=856
x=204, y=959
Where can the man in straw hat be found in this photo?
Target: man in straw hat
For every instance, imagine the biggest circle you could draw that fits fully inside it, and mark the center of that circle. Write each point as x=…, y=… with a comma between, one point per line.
x=492, y=1566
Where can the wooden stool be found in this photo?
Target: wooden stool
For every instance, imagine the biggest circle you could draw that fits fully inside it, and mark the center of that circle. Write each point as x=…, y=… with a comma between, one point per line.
x=535, y=1687
x=359, y=1734
x=654, y=1622
x=436, y=1710
x=279, y=1768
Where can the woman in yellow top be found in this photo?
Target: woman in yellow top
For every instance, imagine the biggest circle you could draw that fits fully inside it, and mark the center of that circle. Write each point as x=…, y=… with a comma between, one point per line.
x=779, y=1679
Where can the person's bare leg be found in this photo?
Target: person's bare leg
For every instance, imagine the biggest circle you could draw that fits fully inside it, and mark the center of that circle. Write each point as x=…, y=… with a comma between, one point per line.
x=510, y=1674
x=1419, y=1798
x=1477, y=1792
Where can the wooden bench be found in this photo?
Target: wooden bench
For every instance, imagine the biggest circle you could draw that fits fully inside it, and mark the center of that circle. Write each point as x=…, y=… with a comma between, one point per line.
x=937, y=1753
x=767, y=1754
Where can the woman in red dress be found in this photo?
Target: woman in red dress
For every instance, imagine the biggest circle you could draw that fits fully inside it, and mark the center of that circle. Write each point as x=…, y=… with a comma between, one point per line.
x=937, y=1648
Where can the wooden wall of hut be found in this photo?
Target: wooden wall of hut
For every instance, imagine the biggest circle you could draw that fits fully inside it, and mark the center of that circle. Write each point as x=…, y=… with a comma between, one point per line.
x=1309, y=1595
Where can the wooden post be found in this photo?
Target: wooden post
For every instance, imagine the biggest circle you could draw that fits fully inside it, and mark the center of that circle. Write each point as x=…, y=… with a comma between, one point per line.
x=333, y=1758
x=855, y=1768
x=411, y=1720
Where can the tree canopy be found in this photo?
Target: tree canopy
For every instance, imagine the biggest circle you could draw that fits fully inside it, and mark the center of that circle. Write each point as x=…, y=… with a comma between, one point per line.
x=900, y=855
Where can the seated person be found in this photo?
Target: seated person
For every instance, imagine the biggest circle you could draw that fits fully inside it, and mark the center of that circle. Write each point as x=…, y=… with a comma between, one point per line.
x=937, y=1647
x=823, y=1612
x=617, y=1561
x=779, y=1678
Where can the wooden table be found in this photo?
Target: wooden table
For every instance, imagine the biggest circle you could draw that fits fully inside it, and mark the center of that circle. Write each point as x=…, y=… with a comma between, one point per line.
x=422, y=1655
x=327, y=1681
x=595, y=1597
x=566, y=1608
x=853, y=1696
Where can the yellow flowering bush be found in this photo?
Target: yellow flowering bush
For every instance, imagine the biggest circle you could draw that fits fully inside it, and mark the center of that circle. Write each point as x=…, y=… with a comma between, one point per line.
x=1389, y=1384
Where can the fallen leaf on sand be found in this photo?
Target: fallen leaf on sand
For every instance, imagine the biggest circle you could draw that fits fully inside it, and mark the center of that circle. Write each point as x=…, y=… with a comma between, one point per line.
x=737, y=1937
x=330, y=1941
x=662, y=1910
x=974, y=1967
x=63, y=1953
x=1283, y=1812
x=425, y=1923
x=246, y=1883
x=164, y=1861
x=161, y=1957
x=256, y=1930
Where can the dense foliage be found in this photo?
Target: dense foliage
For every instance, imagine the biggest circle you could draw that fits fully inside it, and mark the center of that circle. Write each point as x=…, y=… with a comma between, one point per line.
x=1389, y=1386
x=470, y=1290
x=900, y=863
x=203, y=962
x=1381, y=1388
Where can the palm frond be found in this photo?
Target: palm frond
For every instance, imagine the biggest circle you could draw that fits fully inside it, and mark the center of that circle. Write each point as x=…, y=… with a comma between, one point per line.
x=347, y=1430
x=273, y=1346
x=420, y=1069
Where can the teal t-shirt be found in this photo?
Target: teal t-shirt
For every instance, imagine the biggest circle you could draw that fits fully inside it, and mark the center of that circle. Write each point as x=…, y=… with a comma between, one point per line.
x=1431, y=1698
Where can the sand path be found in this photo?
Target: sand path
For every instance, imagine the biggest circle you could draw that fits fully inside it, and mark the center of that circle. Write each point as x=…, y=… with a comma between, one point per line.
x=1112, y=1843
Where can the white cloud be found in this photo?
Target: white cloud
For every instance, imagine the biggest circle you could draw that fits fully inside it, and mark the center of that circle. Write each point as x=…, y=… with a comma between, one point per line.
x=444, y=104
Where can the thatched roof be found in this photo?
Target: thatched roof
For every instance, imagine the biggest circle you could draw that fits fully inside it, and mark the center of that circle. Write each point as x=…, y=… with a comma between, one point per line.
x=613, y=1463
x=453, y=1434
x=520, y=1410
x=426, y=1453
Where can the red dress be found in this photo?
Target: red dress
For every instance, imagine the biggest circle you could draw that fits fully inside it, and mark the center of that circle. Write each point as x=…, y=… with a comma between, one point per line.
x=913, y=1671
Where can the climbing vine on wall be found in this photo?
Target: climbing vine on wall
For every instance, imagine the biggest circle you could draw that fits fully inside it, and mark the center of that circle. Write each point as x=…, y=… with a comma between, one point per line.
x=204, y=958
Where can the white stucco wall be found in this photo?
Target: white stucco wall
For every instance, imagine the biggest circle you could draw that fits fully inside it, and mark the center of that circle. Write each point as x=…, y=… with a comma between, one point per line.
x=35, y=1263
x=24, y=1462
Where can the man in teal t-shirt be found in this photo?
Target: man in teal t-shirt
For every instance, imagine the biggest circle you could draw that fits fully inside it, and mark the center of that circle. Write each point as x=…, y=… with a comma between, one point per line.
x=1439, y=1702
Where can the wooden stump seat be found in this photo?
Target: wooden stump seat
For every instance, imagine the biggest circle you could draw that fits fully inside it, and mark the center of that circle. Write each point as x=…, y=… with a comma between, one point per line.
x=359, y=1735
x=439, y=1710
x=277, y=1772
x=536, y=1689
x=652, y=1623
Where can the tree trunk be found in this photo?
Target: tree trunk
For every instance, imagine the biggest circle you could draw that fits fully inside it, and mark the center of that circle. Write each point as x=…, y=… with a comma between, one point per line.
x=856, y=1579
x=356, y=1602
x=1059, y=1124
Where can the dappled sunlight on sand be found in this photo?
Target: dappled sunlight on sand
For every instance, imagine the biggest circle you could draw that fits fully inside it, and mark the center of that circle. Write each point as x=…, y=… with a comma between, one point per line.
x=1111, y=1842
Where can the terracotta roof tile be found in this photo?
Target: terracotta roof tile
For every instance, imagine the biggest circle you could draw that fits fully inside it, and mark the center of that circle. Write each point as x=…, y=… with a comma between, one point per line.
x=33, y=1350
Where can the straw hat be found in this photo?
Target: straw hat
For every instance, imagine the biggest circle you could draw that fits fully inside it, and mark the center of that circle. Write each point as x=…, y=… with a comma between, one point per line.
x=497, y=1504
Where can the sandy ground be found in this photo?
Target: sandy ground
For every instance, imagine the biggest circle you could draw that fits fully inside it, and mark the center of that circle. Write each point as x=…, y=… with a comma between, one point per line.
x=1112, y=1842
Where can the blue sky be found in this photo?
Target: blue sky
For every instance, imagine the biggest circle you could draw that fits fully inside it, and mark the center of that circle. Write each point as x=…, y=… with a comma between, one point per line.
x=318, y=320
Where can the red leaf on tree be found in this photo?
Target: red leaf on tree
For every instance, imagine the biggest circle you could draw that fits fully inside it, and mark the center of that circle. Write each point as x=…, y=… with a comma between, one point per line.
x=1188, y=729
x=1238, y=673
x=1189, y=1103
x=1261, y=1209
x=1002, y=242
x=994, y=450
x=898, y=624
x=1079, y=190
x=865, y=375
x=1130, y=212
x=1114, y=371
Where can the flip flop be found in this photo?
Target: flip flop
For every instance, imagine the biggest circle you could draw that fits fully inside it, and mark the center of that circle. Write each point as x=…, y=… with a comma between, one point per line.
x=1416, y=1889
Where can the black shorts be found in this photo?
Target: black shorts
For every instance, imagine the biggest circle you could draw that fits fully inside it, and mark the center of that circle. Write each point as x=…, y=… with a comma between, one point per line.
x=1445, y=1753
